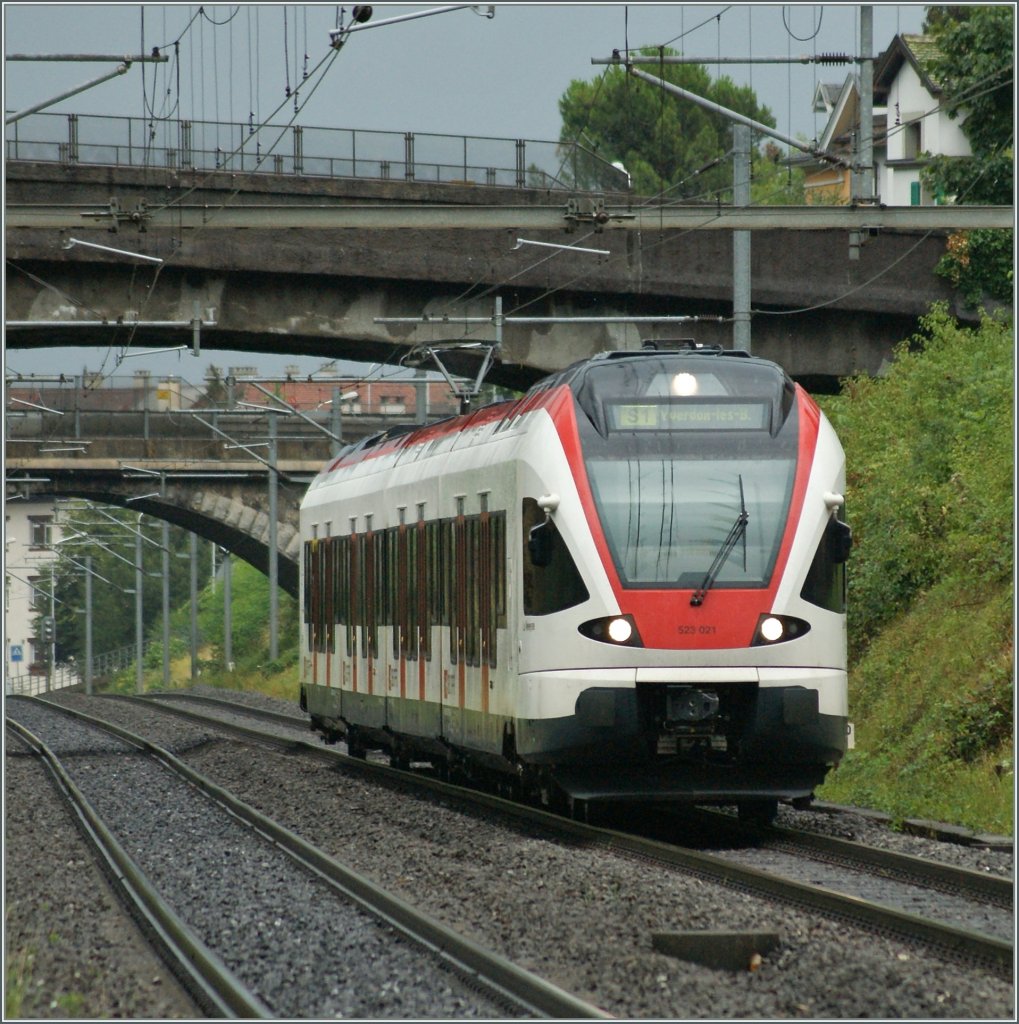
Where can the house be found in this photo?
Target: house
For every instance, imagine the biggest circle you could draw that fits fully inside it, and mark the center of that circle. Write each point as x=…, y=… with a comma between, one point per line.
x=918, y=126
x=833, y=184
x=31, y=529
x=909, y=126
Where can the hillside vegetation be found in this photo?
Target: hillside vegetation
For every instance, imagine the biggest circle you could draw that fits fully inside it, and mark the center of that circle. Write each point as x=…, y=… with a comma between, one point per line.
x=929, y=450
x=929, y=490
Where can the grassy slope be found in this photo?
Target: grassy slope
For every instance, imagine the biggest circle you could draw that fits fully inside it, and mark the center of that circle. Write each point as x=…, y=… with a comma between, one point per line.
x=930, y=453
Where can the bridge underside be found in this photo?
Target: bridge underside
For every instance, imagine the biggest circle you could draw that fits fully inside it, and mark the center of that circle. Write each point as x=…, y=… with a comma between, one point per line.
x=820, y=309
x=333, y=317
x=227, y=513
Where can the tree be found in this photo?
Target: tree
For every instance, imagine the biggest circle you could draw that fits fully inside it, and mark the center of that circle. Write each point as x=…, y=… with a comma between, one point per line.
x=667, y=144
x=112, y=550
x=973, y=64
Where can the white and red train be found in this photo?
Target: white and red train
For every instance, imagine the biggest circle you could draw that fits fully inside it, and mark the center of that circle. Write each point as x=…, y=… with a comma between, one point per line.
x=627, y=585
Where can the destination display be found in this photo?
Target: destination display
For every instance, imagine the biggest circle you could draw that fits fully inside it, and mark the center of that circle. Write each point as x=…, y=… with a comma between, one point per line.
x=687, y=415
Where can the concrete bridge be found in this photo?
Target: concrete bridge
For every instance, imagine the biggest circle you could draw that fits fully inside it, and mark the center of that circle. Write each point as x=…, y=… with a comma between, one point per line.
x=177, y=469
x=308, y=266
x=225, y=503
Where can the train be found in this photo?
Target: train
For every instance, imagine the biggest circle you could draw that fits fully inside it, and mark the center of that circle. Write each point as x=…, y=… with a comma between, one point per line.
x=626, y=586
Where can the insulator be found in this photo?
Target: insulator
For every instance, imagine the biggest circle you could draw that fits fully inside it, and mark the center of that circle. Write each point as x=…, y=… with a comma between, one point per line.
x=833, y=58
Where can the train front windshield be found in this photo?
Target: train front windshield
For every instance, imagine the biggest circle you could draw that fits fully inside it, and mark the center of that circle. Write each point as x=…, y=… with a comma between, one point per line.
x=689, y=457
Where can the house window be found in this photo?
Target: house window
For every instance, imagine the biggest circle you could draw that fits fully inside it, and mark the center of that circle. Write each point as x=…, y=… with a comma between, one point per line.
x=912, y=138
x=40, y=531
x=914, y=193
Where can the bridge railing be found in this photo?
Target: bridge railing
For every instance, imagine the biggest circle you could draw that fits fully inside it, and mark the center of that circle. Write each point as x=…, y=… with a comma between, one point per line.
x=93, y=417
x=35, y=679
x=70, y=139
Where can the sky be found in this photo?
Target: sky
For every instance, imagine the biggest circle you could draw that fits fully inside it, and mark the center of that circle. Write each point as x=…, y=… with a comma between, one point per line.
x=457, y=72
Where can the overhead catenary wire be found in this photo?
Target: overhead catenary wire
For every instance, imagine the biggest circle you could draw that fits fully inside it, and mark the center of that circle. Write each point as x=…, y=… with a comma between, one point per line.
x=323, y=67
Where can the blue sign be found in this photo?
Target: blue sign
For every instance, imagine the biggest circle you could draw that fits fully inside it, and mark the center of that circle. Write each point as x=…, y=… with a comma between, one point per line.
x=16, y=652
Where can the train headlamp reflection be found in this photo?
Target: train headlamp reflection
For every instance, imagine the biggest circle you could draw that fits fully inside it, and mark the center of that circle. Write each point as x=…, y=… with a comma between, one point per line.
x=684, y=385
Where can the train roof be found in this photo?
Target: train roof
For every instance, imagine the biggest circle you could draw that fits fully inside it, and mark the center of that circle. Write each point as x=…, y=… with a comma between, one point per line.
x=658, y=349
x=571, y=376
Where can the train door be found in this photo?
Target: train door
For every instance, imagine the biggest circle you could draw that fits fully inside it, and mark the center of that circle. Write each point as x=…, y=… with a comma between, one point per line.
x=476, y=570
x=366, y=696
x=454, y=668
x=410, y=641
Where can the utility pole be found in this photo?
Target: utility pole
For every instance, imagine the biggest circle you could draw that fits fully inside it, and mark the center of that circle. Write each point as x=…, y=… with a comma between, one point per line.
x=166, y=587
x=274, y=597
x=51, y=644
x=228, y=614
x=139, y=631
x=88, y=625
x=194, y=605
x=741, y=239
x=866, y=154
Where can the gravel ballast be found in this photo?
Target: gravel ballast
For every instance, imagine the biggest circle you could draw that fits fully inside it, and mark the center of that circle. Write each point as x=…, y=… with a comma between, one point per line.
x=304, y=951
x=72, y=950
x=579, y=916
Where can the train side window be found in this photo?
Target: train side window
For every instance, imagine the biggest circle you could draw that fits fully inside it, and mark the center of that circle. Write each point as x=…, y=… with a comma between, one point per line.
x=328, y=604
x=555, y=583
x=825, y=584
x=306, y=590
x=422, y=595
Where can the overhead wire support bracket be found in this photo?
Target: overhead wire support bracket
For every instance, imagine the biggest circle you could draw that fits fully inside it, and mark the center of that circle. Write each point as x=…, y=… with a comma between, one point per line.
x=120, y=69
x=733, y=115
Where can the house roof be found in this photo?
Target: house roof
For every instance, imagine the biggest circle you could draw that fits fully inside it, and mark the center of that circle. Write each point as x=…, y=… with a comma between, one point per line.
x=825, y=96
x=844, y=114
x=917, y=50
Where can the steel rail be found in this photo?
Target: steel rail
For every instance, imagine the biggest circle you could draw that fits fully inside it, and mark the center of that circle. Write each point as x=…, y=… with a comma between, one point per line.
x=233, y=707
x=991, y=889
x=204, y=974
x=490, y=970
x=993, y=953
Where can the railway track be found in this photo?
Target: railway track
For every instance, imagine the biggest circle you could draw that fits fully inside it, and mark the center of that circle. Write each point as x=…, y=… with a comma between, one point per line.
x=971, y=918
x=215, y=851
x=577, y=905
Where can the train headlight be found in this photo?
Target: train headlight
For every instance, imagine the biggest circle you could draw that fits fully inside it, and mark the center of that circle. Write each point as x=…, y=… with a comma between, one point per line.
x=772, y=629
x=777, y=629
x=684, y=385
x=620, y=630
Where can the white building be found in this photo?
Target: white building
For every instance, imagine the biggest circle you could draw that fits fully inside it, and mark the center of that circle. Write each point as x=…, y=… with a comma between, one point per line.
x=917, y=125
x=909, y=127
x=30, y=530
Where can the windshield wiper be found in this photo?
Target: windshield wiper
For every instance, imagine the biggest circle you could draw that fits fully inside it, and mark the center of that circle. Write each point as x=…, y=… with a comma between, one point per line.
x=738, y=530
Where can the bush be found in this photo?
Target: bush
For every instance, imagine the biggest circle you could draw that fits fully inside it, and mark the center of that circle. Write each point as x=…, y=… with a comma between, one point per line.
x=929, y=453
x=929, y=469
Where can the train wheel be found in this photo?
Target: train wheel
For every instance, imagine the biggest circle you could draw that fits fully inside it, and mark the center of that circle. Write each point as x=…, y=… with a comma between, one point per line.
x=354, y=747
x=757, y=812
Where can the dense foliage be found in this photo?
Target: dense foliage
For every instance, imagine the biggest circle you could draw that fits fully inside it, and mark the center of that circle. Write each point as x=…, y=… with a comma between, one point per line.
x=973, y=64
x=109, y=536
x=667, y=144
x=250, y=666
x=930, y=478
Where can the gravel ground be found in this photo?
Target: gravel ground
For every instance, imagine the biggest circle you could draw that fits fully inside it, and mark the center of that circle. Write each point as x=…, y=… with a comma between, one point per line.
x=58, y=903
x=584, y=918
x=273, y=923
